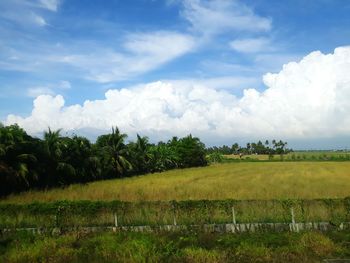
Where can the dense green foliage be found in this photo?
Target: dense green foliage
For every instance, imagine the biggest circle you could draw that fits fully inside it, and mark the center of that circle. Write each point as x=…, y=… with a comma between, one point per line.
x=175, y=247
x=27, y=162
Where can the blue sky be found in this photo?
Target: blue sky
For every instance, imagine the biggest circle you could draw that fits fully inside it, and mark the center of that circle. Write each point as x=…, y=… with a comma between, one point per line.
x=67, y=52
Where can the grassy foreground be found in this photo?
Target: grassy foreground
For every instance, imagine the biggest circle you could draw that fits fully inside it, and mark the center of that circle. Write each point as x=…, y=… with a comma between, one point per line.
x=175, y=247
x=246, y=180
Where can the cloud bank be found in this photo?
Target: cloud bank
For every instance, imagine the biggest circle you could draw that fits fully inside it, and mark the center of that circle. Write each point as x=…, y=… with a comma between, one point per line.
x=306, y=99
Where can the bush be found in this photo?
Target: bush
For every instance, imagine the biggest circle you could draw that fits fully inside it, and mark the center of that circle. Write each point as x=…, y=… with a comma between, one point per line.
x=215, y=157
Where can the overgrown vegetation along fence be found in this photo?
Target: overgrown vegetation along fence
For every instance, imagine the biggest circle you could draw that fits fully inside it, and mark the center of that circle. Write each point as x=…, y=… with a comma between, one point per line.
x=98, y=213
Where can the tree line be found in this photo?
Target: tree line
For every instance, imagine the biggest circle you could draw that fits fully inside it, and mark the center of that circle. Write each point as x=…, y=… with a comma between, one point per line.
x=27, y=162
x=270, y=148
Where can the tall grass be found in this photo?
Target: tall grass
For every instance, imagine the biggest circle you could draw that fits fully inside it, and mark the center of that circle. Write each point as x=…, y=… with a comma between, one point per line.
x=174, y=247
x=250, y=180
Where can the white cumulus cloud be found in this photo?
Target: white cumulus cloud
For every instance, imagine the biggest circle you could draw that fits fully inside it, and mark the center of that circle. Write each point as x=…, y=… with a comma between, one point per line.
x=309, y=98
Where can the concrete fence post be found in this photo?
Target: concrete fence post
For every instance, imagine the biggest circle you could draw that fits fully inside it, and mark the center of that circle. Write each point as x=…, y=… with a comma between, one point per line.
x=294, y=225
x=233, y=216
x=115, y=219
x=174, y=215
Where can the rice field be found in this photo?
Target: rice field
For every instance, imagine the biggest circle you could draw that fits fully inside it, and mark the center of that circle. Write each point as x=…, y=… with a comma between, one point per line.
x=244, y=180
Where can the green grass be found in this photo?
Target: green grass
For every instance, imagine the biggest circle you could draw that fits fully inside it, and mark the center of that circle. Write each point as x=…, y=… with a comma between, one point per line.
x=174, y=247
x=246, y=180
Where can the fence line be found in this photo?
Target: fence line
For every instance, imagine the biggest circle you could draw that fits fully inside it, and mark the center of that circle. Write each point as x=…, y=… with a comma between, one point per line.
x=202, y=212
x=208, y=228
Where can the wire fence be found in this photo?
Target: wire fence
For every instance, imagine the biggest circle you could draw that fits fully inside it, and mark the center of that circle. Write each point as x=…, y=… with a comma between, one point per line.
x=200, y=212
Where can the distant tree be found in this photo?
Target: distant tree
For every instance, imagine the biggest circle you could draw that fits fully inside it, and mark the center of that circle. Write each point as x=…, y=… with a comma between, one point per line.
x=249, y=148
x=191, y=152
x=235, y=148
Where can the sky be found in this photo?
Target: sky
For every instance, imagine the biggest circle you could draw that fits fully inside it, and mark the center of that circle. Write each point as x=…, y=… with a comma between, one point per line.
x=223, y=70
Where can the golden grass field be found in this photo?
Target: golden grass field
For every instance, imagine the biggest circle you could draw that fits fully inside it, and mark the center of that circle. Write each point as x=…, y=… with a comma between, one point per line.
x=246, y=180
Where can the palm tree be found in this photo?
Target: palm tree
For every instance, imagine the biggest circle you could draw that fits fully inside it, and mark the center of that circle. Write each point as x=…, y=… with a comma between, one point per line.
x=115, y=151
x=249, y=148
x=235, y=148
x=14, y=158
x=78, y=152
x=142, y=145
x=53, y=143
x=141, y=154
x=274, y=143
x=59, y=171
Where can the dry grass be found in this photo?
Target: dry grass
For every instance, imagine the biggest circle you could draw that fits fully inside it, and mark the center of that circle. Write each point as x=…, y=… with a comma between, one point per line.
x=251, y=180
